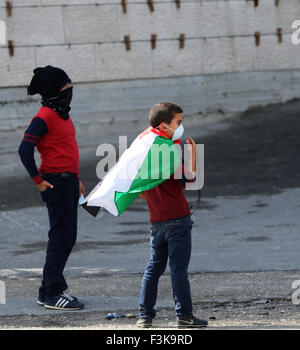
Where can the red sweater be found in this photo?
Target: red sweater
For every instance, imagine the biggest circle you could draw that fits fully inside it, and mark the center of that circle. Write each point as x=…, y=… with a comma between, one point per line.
x=58, y=147
x=55, y=140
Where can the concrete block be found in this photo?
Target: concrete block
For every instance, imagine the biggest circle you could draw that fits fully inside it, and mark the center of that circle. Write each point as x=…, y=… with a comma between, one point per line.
x=78, y=2
x=3, y=39
x=228, y=55
x=170, y=60
x=267, y=17
x=273, y=55
x=114, y=62
x=77, y=60
x=22, y=3
x=263, y=17
x=100, y=2
x=199, y=19
x=3, y=14
x=243, y=53
x=16, y=70
x=89, y=24
x=35, y=26
x=140, y=23
x=218, y=55
x=286, y=13
x=219, y=18
x=68, y=2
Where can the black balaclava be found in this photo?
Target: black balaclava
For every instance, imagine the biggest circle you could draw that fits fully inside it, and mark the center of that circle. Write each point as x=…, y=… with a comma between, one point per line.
x=48, y=81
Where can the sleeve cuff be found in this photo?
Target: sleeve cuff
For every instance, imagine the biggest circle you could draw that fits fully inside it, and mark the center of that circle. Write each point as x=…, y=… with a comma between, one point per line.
x=37, y=179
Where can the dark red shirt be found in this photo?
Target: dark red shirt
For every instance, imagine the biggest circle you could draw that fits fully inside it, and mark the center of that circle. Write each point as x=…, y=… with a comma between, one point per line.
x=167, y=201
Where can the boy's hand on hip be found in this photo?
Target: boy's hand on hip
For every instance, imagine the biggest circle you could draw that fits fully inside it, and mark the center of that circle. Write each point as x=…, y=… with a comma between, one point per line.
x=44, y=185
x=81, y=188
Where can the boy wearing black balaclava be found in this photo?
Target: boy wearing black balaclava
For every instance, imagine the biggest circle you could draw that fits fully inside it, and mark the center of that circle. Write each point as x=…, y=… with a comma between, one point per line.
x=52, y=132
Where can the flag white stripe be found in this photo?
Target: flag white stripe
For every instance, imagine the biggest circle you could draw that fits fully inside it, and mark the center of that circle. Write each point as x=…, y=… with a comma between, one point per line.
x=129, y=163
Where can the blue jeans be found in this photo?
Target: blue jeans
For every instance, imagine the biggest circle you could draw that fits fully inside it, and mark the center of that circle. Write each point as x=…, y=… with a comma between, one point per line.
x=169, y=239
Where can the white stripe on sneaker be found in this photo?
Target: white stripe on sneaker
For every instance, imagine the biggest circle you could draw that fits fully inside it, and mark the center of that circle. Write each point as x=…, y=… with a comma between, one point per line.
x=64, y=303
x=59, y=302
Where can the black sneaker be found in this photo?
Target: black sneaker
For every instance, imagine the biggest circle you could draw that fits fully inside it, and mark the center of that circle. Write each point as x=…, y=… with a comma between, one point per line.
x=190, y=322
x=63, y=301
x=144, y=323
x=41, y=301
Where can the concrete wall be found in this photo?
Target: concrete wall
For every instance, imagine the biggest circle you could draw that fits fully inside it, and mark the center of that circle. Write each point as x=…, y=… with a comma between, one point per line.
x=219, y=72
x=85, y=37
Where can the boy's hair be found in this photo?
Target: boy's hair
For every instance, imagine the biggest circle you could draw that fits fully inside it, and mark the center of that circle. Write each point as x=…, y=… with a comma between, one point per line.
x=163, y=112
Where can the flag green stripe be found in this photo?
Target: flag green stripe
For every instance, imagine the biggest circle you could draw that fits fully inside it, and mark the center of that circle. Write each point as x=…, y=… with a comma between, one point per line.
x=163, y=153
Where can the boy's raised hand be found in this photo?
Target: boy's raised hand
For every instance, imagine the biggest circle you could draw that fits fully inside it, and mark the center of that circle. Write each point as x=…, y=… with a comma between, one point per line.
x=192, y=144
x=192, y=149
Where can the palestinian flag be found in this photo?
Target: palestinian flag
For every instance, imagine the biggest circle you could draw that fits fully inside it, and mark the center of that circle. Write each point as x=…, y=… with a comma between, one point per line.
x=151, y=159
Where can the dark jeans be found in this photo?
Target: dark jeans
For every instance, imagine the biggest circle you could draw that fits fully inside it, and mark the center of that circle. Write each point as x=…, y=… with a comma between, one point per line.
x=62, y=204
x=169, y=239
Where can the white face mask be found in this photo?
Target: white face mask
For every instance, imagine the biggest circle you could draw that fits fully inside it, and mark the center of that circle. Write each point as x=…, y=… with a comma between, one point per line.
x=177, y=132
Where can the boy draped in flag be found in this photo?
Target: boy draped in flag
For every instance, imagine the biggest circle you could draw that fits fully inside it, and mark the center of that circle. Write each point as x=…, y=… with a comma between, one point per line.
x=52, y=132
x=149, y=168
x=171, y=228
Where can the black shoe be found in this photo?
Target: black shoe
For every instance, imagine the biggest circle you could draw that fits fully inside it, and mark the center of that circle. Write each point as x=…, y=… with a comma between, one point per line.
x=63, y=301
x=190, y=322
x=41, y=301
x=144, y=322
x=41, y=297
